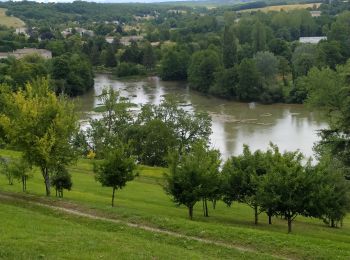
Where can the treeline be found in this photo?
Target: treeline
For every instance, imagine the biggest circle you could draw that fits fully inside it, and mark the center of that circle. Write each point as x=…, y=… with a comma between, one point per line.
x=69, y=73
x=278, y=184
x=258, y=58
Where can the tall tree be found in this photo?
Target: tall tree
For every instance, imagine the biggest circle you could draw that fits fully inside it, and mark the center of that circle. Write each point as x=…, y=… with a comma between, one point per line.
x=42, y=126
x=149, y=58
x=259, y=36
x=229, y=48
x=203, y=66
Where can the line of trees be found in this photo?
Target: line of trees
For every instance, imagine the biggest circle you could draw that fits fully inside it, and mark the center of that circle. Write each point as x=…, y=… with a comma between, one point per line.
x=278, y=184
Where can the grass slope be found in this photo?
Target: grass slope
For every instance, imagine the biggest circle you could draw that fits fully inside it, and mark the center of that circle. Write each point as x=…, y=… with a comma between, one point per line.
x=10, y=21
x=143, y=201
x=51, y=235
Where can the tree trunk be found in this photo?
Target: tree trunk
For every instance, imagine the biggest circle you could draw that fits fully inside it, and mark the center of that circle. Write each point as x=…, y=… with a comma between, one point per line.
x=23, y=183
x=190, y=212
x=214, y=203
x=206, y=208
x=332, y=223
x=46, y=176
x=113, y=196
x=270, y=219
x=256, y=215
x=203, y=207
x=289, y=219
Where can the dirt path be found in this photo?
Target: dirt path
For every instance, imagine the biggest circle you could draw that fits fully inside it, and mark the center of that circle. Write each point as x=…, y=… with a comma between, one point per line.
x=80, y=213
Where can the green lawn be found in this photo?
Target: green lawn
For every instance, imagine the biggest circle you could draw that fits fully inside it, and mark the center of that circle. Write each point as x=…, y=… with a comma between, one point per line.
x=144, y=201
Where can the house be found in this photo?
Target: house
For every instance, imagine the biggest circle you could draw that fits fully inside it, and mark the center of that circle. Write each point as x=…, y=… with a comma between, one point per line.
x=312, y=40
x=22, y=30
x=315, y=13
x=20, y=53
x=109, y=39
x=81, y=31
x=126, y=40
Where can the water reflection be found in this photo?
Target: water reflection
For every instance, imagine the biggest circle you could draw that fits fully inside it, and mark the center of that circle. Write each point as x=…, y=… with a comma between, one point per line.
x=290, y=127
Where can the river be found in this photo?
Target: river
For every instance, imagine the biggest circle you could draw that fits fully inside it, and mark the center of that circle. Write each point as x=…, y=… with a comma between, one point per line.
x=291, y=127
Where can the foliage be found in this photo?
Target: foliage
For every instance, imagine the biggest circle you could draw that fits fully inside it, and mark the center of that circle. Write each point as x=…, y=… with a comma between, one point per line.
x=116, y=170
x=193, y=177
x=41, y=125
x=61, y=179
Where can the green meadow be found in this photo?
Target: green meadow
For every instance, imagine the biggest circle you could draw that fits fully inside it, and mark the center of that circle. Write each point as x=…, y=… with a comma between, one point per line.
x=45, y=233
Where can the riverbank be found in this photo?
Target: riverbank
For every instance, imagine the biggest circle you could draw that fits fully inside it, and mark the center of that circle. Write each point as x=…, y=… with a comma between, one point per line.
x=144, y=202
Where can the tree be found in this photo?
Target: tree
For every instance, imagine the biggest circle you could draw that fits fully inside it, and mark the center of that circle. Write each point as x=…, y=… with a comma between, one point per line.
x=106, y=132
x=41, y=125
x=174, y=64
x=229, y=48
x=61, y=180
x=116, y=170
x=331, y=197
x=110, y=59
x=330, y=53
x=259, y=36
x=4, y=169
x=225, y=83
x=149, y=58
x=193, y=177
x=249, y=85
x=287, y=187
x=242, y=176
x=267, y=65
x=303, y=59
x=203, y=66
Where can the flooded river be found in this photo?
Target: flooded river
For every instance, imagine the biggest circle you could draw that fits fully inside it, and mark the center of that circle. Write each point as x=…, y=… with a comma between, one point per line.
x=290, y=127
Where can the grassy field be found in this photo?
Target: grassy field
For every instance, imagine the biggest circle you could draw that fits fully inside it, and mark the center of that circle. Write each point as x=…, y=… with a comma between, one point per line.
x=10, y=21
x=283, y=7
x=143, y=201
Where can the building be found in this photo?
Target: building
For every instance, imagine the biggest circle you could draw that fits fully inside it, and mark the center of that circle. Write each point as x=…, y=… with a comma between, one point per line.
x=126, y=40
x=312, y=40
x=20, y=53
x=81, y=31
x=109, y=39
x=315, y=13
x=22, y=30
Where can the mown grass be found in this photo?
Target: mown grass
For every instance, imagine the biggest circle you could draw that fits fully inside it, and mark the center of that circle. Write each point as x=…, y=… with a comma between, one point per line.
x=30, y=232
x=144, y=201
x=282, y=7
x=10, y=21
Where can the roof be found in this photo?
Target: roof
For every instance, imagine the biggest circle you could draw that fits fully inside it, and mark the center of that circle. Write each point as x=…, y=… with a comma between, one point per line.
x=313, y=40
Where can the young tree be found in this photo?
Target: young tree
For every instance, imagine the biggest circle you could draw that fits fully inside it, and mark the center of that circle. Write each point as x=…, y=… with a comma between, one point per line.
x=42, y=126
x=116, y=170
x=242, y=176
x=193, y=176
x=21, y=171
x=286, y=189
x=61, y=180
